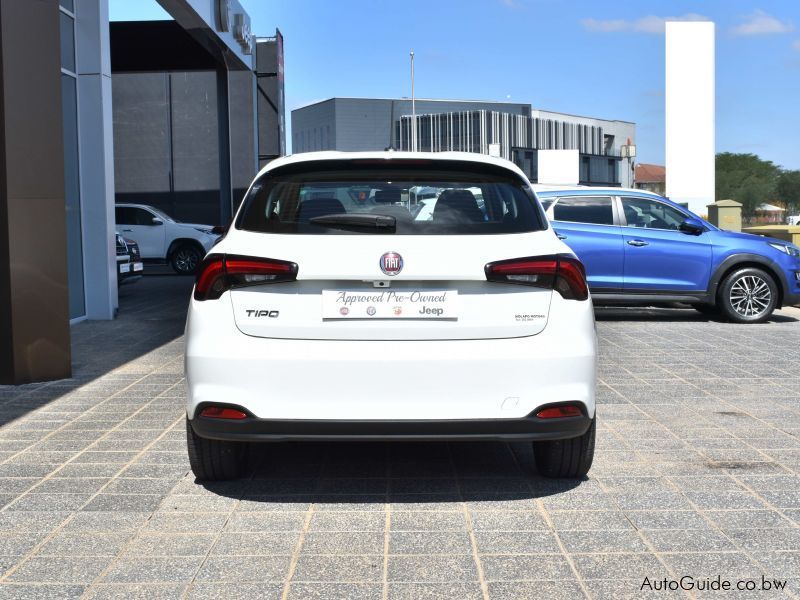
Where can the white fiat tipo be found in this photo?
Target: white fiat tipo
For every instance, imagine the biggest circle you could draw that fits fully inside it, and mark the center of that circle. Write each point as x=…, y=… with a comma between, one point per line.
x=330, y=311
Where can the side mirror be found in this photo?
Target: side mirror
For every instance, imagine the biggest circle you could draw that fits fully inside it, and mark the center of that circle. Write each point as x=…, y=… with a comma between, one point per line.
x=692, y=226
x=157, y=221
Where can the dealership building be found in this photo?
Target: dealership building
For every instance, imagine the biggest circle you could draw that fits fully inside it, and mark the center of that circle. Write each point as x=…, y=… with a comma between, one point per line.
x=178, y=114
x=514, y=131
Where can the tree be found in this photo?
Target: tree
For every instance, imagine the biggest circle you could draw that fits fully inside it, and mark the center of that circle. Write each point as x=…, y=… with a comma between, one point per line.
x=747, y=179
x=788, y=190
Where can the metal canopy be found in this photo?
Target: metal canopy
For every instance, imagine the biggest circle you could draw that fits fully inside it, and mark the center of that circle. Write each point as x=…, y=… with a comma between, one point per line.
x=220, y=26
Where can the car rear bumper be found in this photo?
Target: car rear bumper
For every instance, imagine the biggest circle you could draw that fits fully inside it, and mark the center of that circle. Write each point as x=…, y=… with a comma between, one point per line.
x=253, y=429
x=293, y=382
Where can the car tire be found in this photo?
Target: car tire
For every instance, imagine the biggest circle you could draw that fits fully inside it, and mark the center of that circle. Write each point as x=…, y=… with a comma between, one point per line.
x=185, y=259
x=570, y=458
x=735, y=303
x=214, y=460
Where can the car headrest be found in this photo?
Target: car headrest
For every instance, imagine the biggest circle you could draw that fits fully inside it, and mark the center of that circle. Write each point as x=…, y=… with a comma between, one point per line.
x=459, y=205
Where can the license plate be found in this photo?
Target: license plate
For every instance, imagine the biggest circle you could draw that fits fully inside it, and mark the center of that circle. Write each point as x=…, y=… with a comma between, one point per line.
x=390, y=304
x=137, y=266
x=125, y=268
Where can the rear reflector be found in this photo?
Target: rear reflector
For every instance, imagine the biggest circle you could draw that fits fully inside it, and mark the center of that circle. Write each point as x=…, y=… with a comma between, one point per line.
x=220, y=272
x=560, y=272
x=222, y=412
x=556, y=412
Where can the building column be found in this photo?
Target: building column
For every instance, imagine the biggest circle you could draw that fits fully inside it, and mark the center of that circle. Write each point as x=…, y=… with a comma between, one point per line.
x=689, y=113
x=224, y=133
x=96, y=150
x=34, y=299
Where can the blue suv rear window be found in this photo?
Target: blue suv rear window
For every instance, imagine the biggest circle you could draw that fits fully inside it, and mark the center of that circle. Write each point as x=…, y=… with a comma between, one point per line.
x=596, y=210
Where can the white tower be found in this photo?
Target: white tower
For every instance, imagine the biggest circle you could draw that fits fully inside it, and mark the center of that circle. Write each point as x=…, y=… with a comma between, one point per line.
x=689, y=115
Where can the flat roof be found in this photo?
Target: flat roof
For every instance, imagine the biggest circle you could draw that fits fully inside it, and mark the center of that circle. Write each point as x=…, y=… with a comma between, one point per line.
x=555, y=112
x=407, y=99
x=423, y=100
x=455, y=100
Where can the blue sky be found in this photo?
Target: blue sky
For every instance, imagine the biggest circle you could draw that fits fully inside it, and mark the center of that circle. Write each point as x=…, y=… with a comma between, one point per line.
x=602, y=59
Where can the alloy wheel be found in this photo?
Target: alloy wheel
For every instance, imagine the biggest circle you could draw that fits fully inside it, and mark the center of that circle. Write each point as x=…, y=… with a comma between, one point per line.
x=186, y=260
x=750, y=296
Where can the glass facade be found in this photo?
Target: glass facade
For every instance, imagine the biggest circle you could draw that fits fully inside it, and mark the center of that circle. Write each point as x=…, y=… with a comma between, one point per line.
x=475, y=130
x=72, y=190
x=67, y=27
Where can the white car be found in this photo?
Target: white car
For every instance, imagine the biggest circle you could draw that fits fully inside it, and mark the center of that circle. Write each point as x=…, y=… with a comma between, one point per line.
x=129, y=262
x=160, y=237
x=319, y=318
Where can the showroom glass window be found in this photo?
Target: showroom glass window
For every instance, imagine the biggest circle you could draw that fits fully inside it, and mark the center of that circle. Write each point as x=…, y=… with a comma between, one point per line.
x=596, y=210
x=72, y=195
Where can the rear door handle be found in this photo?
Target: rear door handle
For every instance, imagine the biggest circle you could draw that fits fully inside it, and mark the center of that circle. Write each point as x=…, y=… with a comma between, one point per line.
x=128, y=230
x=561, y=236
x=637, y=243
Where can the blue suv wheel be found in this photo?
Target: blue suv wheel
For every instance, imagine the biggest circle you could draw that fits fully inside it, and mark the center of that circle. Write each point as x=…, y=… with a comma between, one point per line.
x=748, y=295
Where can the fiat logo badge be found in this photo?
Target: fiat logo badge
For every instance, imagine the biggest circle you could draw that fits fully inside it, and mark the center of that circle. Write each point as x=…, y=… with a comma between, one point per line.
x=391, y=263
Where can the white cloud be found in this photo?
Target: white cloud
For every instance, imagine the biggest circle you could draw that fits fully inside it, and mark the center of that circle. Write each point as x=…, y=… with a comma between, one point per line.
x=761, y=23
x=605, y=26
x=647, y=24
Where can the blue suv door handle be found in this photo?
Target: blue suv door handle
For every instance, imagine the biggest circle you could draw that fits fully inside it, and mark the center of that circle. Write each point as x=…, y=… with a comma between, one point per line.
x=637, y=243
x=561, y=236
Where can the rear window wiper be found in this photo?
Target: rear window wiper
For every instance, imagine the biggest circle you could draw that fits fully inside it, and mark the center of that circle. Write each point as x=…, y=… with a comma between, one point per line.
x=360, y=221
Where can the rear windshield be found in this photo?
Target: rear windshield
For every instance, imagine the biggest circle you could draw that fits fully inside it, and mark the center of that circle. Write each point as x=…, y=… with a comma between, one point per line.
x=401, y=200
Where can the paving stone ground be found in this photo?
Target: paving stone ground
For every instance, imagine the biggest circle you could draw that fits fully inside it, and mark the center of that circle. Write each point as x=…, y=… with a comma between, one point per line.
x=696, y=474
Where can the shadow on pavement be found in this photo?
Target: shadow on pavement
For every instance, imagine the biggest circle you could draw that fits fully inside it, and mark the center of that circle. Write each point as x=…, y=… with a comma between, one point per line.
x=152, y=313
x=662, y=314
x=413, y=473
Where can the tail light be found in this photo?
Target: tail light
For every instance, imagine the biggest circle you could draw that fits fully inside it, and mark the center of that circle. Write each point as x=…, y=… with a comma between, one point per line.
x=222, y=412
x=220, y=272
x=558, y=412
x=560, y=272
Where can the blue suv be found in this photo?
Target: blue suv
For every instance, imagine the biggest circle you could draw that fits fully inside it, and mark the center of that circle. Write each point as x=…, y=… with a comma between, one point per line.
x=640, y=248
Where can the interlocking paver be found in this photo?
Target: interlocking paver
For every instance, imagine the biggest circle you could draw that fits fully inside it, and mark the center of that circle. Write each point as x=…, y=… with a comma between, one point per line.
x=244, y=569
x=429, y=542
x=336, y=591
x=84, y=544
x=316, y=567
x=697, y=473
x=431, y=568
x=130, y=569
